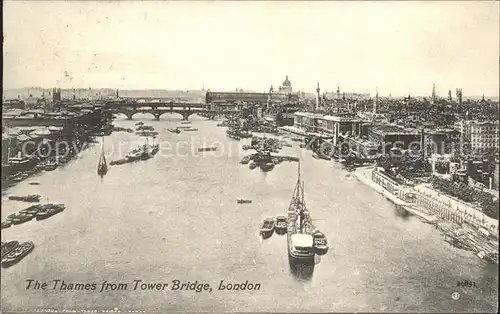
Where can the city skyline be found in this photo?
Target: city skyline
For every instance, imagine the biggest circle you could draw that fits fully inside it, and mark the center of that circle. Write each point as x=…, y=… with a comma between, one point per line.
x=403, y=48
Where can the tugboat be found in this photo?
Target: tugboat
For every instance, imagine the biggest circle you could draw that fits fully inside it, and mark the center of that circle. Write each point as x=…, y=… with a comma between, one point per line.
x=176, y=130
x=299, y=231
x=7, y=247
x=15, y=165
x=150, y=150
x=17, y=254
x=280, y=225
x=267, y=228
x=102, y=166
x=136, y=154
x=320, y=243
x=155, y=148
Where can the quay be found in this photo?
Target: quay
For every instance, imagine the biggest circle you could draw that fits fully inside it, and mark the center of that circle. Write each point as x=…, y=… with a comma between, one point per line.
x=455, y=219
x=36, y=135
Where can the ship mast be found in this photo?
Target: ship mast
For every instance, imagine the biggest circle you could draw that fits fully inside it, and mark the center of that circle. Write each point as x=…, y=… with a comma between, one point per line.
x=103, y=157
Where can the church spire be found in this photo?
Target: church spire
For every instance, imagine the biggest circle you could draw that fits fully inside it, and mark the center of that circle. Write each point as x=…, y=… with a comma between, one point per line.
x=317, y=97
x=433, y=92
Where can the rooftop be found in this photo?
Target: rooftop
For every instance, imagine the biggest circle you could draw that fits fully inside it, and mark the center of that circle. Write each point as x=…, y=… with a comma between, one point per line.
x=393, y=129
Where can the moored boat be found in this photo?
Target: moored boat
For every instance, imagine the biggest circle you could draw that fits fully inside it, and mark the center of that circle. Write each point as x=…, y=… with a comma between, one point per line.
x=11, y=216
x=320, y=155
x=267, y=228
x=145, y=128
x=21, y=218
x=176, y=130
x=17, y=254
x=51, y=165
x=6, y=224
x=299, y=231
x=32, y=210
x=281, y=225
x=207, y=149
x=8, y=247
x=118, y=162
x=19, y=164
x=32, y=198
x=191, y=129
x=245, y=160
x=19, y=177
x=49, y=210
x=266, y=166
x=320, y=243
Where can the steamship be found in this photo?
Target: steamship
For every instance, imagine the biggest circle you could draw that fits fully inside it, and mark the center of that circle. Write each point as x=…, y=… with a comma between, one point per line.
x=300, y=229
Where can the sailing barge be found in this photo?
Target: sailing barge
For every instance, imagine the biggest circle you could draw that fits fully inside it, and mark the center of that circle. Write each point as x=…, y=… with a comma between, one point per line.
x=102, y=166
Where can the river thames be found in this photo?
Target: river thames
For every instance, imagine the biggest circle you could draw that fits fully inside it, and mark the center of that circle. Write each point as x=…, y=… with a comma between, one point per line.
x=175, y=217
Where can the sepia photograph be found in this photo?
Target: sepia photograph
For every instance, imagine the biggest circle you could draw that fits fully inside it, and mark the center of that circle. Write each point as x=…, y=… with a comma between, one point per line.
x=250, y=157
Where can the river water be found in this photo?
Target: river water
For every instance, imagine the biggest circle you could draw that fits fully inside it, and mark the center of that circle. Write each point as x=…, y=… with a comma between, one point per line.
x=175, y=217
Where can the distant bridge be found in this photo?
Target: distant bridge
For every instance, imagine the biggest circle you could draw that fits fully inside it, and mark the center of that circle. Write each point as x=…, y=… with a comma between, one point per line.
x=157, y=107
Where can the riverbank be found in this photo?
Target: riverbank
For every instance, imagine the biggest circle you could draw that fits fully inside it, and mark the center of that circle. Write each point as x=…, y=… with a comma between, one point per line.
x=465, y=235
x=363, y=174
x=146, y=216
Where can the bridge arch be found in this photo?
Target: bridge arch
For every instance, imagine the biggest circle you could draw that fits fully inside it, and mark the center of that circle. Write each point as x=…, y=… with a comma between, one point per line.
x=131, y=113
x=119, y=113
x=172, y=114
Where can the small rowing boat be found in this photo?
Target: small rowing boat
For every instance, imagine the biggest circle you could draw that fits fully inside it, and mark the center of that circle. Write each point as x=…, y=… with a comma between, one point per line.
x=241, y=201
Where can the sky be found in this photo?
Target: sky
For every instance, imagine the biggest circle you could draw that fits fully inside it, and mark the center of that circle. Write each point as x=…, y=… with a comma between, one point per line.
x=401, y=47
